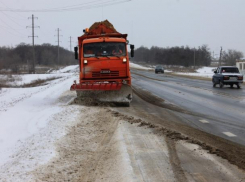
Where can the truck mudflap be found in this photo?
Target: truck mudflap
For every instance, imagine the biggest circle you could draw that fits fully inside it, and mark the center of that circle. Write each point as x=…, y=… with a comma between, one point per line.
x=123, y=95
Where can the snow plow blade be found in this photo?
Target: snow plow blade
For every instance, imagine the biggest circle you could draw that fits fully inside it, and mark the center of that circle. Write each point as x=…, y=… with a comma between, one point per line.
x=109, y=93
x=96, y=86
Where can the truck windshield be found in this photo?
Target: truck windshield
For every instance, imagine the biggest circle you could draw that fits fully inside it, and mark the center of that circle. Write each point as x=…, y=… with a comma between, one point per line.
x=104, y=49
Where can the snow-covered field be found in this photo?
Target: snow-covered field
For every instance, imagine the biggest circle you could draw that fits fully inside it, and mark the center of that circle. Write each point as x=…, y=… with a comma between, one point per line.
x=28, y=78
x=30, y=119
x=201, y=72
x=67, y=69
x=136, y=66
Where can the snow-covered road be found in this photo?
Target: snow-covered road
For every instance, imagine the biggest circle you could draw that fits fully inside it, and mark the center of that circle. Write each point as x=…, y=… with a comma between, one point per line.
x=45, y=137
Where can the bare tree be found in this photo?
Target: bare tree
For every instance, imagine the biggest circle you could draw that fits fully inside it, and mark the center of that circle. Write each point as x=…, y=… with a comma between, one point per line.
x=230, y=57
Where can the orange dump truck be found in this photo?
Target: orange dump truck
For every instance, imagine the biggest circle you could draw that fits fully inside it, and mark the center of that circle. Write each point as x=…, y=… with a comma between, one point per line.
x=104, y=64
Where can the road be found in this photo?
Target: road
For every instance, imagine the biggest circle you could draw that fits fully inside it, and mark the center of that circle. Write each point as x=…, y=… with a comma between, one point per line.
x=158, y=138
x=217, y=111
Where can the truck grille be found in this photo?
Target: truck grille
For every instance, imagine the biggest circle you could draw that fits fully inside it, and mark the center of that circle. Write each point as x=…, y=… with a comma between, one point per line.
x=97, y=74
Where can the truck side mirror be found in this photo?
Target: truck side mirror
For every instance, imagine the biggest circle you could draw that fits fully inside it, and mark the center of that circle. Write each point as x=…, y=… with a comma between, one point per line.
x=76, y=52
x=215, y=71
x=132, y=50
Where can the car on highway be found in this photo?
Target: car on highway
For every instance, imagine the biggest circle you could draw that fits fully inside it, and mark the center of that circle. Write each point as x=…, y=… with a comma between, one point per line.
x=159, y=69
x=227, y=75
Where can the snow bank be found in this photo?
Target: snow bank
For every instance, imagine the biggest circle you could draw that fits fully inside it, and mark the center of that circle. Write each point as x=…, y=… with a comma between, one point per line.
x=28, y=78
x=136, y=66
x=201, y=72
x=18, y=80
x=26, y=111
x=67, y=69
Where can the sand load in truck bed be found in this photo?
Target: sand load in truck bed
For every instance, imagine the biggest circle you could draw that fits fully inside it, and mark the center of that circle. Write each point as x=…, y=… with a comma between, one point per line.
x=99, y=28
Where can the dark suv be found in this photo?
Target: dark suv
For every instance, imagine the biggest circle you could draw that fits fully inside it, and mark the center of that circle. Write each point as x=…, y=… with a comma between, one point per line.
x=159, y=68
x=227, y=75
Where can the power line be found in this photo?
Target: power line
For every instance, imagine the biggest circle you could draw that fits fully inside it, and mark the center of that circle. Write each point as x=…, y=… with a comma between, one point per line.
x=71, y=6
x=11, y=19
x=33, y=36
x=22, y=17
x=88, y=5
x=16, y=35
x=45, y=32
x=11, y=27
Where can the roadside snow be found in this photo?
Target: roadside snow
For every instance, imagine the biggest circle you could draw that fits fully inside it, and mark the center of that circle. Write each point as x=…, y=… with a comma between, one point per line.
x=25, y=114
x=201, y=72
x=67, y=69
x=136, y=66
x=28, y=78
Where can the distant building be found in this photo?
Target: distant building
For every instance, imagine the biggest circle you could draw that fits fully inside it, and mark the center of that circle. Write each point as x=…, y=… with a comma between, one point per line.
x=241, y=65
x=214, y=63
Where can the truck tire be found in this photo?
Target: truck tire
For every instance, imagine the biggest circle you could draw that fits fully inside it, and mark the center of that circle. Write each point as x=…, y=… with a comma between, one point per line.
x=238, y=86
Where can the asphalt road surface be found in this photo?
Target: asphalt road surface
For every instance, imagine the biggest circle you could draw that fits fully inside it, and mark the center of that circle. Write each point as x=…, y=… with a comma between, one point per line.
x=220, y=112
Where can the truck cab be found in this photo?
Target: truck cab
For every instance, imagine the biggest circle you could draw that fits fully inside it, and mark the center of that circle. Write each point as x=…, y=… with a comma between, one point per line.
x=104, y=58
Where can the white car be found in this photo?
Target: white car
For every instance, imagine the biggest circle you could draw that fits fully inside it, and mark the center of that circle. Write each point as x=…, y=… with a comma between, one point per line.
x=227, y=75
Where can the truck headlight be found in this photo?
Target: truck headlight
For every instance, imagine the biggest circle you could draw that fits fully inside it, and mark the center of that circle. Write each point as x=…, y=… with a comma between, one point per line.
x=85, y=61
x=124, y=60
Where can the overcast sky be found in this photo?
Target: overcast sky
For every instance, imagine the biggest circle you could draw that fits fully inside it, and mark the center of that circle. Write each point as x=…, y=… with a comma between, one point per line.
x=163, y=23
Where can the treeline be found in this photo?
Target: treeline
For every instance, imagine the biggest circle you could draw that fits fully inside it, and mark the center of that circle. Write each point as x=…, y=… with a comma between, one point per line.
x=45, y=54
x=183, y=56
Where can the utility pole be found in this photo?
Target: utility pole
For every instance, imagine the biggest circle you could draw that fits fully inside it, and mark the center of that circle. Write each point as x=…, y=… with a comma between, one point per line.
x=194, y=57
x=58, y=35
x=33, y=45
x=70, y=43
x=220, y=57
